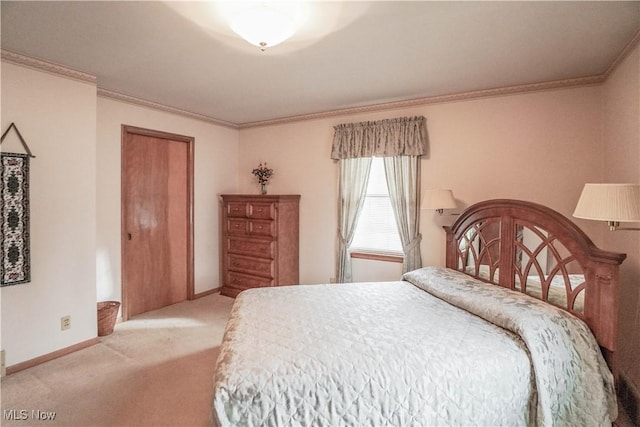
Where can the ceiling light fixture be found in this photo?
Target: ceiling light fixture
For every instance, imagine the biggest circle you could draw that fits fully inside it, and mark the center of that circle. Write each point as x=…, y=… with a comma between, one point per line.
x=265, y=23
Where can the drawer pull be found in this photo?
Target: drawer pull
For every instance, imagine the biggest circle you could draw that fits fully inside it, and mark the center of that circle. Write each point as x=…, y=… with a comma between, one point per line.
x=259, y=227
x=260, y=210
x=237, y=226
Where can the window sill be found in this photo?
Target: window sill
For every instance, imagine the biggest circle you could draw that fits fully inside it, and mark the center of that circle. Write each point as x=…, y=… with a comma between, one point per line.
x=377, y=256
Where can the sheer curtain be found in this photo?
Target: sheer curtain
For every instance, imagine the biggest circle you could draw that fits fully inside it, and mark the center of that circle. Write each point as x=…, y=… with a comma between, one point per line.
x=401, y=141
x=403, y=181
x=353, y=179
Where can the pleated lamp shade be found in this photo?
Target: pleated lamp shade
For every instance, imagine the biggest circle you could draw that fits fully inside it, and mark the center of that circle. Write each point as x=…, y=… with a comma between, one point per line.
x=609, y=202
x=438, y=199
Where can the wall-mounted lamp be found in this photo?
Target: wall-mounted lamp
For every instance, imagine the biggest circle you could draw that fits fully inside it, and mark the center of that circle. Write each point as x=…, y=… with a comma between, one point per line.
x=438, y=200
x=614, y=203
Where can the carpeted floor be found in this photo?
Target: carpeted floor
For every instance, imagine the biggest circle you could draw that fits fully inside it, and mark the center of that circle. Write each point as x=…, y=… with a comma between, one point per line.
x=154, y=370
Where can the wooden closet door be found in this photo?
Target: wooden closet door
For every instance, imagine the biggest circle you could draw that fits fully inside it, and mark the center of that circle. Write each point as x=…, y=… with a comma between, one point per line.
x=156, y=202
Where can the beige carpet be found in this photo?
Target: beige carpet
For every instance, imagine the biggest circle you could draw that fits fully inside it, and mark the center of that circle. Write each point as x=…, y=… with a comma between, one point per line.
x=154, y=370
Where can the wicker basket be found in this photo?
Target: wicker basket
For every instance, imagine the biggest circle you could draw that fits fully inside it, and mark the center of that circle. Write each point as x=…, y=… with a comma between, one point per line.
x=107, y=313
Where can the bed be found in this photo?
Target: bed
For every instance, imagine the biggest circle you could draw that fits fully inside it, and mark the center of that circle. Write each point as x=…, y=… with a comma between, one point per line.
x=474, y=343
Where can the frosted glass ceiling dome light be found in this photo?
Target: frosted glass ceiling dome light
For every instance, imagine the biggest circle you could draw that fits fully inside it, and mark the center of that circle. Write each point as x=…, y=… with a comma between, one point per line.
x=265, y=24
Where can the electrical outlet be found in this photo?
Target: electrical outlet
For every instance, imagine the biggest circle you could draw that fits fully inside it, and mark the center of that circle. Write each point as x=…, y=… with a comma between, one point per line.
x=65, y=323
x=3, y=365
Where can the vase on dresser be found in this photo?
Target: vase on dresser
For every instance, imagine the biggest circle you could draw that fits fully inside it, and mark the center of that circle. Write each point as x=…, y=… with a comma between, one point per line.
x=260, y=241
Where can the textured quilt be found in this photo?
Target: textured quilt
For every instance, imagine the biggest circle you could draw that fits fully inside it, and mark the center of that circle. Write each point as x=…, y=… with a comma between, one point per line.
x=393, y=353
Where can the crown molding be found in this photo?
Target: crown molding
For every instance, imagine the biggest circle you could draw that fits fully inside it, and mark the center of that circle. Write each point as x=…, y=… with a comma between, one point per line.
x=46, y=66
x=105, y=93
x=623, y=54
x=485, y=93
x=50, y=67
x=63, y=71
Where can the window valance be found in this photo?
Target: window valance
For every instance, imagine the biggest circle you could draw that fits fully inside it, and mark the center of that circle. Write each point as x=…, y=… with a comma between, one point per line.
x=403, y=136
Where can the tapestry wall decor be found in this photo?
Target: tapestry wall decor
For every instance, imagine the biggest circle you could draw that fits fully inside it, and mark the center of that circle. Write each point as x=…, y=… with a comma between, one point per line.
x=14, y=233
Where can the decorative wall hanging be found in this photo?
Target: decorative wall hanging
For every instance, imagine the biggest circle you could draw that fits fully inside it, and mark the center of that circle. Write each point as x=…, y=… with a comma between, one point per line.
x=15, y=266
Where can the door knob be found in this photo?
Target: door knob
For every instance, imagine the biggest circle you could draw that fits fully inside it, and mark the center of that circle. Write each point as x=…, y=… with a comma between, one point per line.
x=128, y=236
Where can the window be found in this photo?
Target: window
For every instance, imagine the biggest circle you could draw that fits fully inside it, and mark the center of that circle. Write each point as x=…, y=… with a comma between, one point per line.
x=376, y=230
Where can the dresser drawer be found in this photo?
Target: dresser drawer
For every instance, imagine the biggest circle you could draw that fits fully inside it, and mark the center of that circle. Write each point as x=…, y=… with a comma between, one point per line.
x=252, y=247
x=258, y=227
x=237, y=209
x=244, y=281
x=261, y=267
x=261, y=210
x=237, y=227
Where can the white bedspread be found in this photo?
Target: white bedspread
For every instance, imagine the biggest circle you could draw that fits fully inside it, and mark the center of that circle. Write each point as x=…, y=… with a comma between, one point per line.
x=392, y=354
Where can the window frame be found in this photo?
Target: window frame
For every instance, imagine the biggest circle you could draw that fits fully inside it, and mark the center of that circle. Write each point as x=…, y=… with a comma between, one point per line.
x=376, y=254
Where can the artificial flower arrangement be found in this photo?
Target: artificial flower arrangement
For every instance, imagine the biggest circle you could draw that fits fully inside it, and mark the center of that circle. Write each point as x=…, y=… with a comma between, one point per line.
x=264, y=174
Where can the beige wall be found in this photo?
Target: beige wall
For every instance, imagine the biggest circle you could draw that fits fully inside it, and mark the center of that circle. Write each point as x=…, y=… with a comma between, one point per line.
x=57, y=117
x=75, y=204
x=621, y=113
x=539, y=146
x=216, y=154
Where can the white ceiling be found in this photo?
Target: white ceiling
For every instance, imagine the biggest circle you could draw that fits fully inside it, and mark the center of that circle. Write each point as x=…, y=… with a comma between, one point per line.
x=354, y=54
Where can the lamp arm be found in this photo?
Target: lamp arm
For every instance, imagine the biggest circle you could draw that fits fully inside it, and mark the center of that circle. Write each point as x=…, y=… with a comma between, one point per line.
x=615, y=226
x=441, y=212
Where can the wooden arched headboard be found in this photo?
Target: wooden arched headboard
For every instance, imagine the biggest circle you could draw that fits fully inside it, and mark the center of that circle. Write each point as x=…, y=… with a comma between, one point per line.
x=533, y=249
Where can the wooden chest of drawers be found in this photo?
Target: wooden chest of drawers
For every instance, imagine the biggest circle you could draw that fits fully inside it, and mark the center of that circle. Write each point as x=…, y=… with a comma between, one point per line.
x=260, y=236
